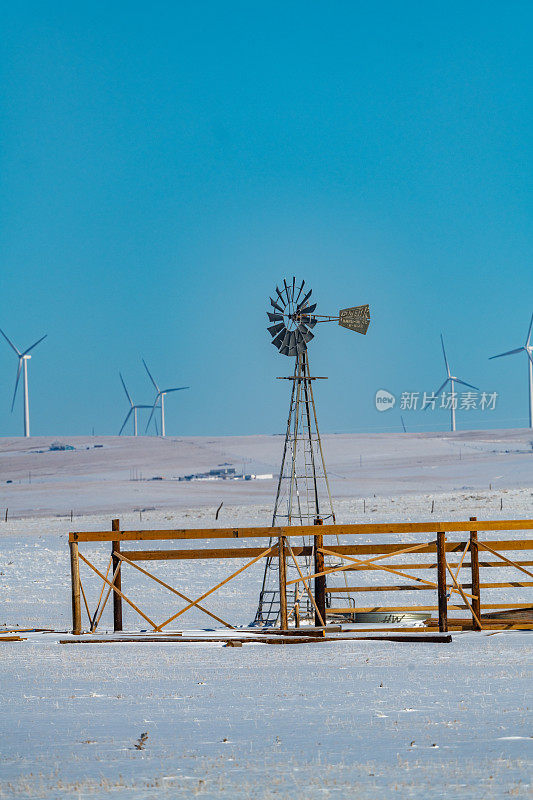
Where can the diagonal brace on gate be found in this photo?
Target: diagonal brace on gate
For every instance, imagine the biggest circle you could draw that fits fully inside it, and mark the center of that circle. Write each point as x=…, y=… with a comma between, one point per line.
x=266, y=552
x=371, y=565
x=349, y=566
x=128, y=601
x=122, y=557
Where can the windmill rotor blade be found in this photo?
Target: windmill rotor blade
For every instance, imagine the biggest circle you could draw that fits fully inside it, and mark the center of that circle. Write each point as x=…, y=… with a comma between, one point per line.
x=529, y=331
x=127, y=393
x=302, y=303
x=300, y=291
x=309, y=309
x=176, y=389
x=34, y=345
x=276, y=306
x=280, y=297
x=150, y=375
x=444, y=354
x=274, y=317
x=284, y=350
x=292, y=343
x=309, y=321
x=293, y=287
x=508, y=353
x=529, y=356
x=287, y=291
x=16, y=382
x=275, y=329
x=278, y=341
x=10, y=343
x=439, y=390
x=286, y=339
x=464, y=383
x=128, y=415
x=152, y=412
x=301, y=347
x=307, y=335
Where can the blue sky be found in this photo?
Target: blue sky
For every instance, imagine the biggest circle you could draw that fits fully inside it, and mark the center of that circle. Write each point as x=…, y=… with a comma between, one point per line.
x=165, y=164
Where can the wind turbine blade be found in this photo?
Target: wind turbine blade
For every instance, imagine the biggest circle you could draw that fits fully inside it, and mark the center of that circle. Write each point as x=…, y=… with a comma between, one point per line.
x=529, y=356
x=16, y=382
x=529, y=331
x=128, y=415
x=178, y=389
x=464, y=383
x=152, y=412
x=439, y=390
x=34, y=345
x=10, y=343
x=444, y=354
x=508, y=353
x=127, y=393
x=150, y=375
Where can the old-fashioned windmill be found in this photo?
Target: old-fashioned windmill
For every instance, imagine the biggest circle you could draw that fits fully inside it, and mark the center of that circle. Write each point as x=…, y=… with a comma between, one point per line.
x=303, y=496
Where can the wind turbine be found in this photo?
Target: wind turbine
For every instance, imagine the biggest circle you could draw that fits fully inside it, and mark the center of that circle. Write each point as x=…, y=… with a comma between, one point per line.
x=133, y=410
x=23, y=358
x=452, y=380
x=160, y=396
x=528, y=348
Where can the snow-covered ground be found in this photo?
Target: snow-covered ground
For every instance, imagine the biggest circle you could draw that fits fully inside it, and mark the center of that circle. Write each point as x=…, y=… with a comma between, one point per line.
x=102, y=473
x=337, y=719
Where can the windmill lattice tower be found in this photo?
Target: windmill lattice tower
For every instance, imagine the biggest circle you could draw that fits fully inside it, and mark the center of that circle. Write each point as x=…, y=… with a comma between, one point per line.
x=303, y=494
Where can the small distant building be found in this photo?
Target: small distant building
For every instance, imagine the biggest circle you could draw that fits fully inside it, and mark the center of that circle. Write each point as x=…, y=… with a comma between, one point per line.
x=224, y=473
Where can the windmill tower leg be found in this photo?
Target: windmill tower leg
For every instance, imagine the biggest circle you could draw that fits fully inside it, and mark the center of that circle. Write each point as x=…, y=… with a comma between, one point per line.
x=26, y=398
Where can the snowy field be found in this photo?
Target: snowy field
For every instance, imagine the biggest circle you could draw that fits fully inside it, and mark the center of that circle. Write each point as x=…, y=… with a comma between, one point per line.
x=337, y=719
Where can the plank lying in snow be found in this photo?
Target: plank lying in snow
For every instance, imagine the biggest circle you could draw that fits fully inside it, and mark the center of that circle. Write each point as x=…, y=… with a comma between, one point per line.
x=431, y=638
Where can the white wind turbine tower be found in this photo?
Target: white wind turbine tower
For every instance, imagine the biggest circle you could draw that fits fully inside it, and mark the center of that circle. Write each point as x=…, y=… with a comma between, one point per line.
x=160, y=396
x=133, y=410
x=452, y=380
x=527, y=348
x=23, y=358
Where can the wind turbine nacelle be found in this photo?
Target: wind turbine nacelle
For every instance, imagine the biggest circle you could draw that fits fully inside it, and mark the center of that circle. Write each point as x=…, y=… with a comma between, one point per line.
x=355, y=319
